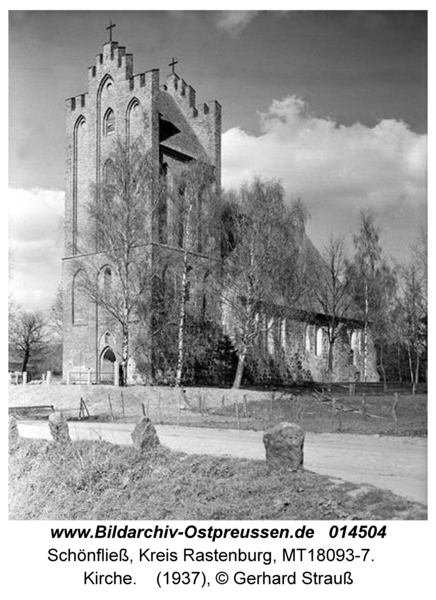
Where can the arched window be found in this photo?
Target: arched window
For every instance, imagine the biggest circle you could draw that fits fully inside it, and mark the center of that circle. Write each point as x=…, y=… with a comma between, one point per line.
x=107, y=279
x=79, y=299
x=355, y=344
x=109, y=122
x=133, y=119
x=283, y=334
x=318, y=341
x=307, y=339
x=109, y=180
x=355, y=341
x=181, y=215
x=80, y=182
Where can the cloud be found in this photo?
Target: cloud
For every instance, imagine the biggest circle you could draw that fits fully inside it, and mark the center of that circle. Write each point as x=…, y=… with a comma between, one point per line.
x=234, y=21
x=35, y=246
x=335, y=169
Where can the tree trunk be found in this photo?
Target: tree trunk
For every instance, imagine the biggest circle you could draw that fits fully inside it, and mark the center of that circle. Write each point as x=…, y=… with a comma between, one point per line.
x=240, y=369
x=382, y=369
x=410, y=363
x=25, y=360
x=330, y=364
x=183, y=299
x=417, y=367
x=400, y=373
x=124, y=358
x=181, y=332
x=365, y=335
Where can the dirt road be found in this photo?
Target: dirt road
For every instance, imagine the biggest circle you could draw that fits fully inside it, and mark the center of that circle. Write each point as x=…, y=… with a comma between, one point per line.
x=393, y=463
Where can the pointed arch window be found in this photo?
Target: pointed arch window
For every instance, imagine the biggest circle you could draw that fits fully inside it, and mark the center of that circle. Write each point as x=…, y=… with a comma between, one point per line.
x=109, y=179
x=109, y=122
x=107, y=279
x=319, y=341
x=133, y=119
x=307, y=339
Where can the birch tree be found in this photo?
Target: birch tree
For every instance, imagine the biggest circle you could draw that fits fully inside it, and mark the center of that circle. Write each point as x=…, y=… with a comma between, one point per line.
x=413, y=308
x=332, y=293
x=120, y=216
x=373, y=283
x=261, y=269
x=195, y=206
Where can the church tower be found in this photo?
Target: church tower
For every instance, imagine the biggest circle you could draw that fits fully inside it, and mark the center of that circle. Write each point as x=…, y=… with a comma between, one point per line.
x=121, y=105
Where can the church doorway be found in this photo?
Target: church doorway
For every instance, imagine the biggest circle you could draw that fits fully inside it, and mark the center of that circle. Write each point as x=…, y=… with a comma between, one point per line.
x=107, y=365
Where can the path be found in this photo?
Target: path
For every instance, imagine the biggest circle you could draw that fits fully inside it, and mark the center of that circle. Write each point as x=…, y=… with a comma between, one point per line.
x=394, y=463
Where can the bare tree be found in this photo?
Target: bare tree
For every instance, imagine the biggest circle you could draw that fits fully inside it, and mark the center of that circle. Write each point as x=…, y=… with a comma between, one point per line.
x=261, y=269
x=195, y=222
x=373, y=284
x=412, y=308
x=27, y=335
x=332, y=293
x=120, y=218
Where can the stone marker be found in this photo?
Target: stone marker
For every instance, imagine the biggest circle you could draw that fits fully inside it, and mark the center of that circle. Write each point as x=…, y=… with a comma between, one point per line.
x=144, y=436
x=284, y=446
x=14, y=436
x=59, y=428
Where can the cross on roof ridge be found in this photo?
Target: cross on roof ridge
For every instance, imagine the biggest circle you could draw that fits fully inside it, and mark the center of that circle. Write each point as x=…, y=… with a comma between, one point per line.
x=110, y=27
x=172, y=64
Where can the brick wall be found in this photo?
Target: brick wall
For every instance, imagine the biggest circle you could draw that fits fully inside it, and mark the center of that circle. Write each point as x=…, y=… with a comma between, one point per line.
x=137, y=103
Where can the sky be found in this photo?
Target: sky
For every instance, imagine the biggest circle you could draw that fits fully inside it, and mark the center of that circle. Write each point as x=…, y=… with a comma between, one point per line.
x=333, y=104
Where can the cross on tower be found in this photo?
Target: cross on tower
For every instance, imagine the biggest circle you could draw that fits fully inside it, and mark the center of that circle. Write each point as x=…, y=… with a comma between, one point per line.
x=173, y=64
x=111, y=26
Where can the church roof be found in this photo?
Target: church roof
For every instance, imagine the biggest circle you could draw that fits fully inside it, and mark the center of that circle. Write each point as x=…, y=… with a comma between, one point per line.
x=176, y=130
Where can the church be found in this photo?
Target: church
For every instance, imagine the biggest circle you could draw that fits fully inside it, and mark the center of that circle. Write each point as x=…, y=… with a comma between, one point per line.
x=176, y=131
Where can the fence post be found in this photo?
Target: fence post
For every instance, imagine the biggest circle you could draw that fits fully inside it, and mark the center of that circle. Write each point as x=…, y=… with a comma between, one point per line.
x=363, y=410
x=68, y=377
x=394, y=407
x=48, y=380
x=24, y=377
x=88, y=376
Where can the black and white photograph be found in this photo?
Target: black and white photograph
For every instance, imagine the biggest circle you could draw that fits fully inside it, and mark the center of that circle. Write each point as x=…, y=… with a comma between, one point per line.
x=217, y=300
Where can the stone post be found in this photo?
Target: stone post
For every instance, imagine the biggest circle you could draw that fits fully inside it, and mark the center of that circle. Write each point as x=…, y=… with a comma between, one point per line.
x=284, y=446
x=68, y=377
x=88, y=376
x=48, y=380
x=144, y=436
x=59, y=428
x=24, y=377
x=116, y=374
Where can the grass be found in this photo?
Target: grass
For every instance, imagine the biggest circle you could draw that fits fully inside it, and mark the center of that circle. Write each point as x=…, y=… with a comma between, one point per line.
x=208, y=407
x=321, y=417
x=96, y=480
